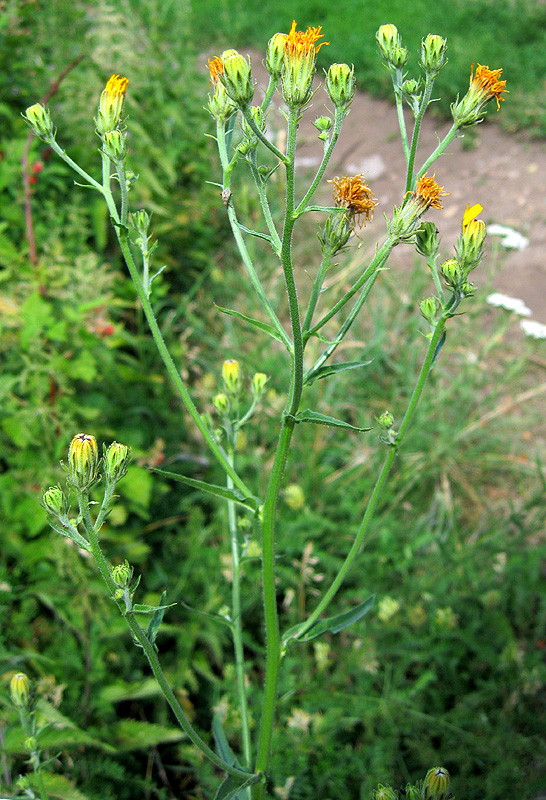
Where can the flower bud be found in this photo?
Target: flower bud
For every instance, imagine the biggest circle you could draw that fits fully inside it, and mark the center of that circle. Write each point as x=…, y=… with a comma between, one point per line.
x=341, y=85
x=336, y=233
x=274, y=60
x=429, y=309
x=426, y=239
x=413, y=793
x=452, y=272
x=300, y=55
x=140, y=221
x=221, y=404
x=386, y=420
x=323, y=126
x=251, y=140
x=231, y=375
x=55, y=502
x=258, y=385
x=237, y=77
x=20, y=690
x=436, y=786
x=30, y=744
x=122, y=574
x=39, y=119
x=116, y=462
x=220, y=105
x=111, y=104
x=433, y=53
x=114, y=144
x=384, y=793
x=83, y=461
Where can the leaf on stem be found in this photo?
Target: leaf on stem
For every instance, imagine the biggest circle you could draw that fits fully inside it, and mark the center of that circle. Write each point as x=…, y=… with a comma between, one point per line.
x=262, y=326
x=253, y=503
x=257, y=234
x=322, y=419
x=329, y=625
x=143, y=608
x=333, y=369
x=438, y=347
x=230, y=789
x=208, y=615
x=157, y=619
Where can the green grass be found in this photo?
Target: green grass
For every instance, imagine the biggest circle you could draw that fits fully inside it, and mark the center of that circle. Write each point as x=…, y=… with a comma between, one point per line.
x=507, y=35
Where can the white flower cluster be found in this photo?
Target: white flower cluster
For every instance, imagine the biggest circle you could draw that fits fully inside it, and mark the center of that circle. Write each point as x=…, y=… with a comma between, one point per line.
x=529, y=326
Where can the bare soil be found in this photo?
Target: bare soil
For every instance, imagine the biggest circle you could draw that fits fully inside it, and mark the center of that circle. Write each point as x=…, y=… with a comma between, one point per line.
x=502, y=172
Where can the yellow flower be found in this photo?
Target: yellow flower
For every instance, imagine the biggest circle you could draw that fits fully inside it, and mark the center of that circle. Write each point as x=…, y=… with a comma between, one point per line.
x=300, y=43
x=83, y=461
x=356, y=196
x=111, y=104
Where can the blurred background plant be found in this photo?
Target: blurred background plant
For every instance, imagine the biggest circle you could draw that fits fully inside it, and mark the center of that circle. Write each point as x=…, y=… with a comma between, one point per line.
x=450, y=668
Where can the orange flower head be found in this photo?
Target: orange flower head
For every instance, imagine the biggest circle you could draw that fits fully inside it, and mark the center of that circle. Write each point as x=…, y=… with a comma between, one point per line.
x=300, y=53
x=216, y=68
x=487, y=82
x=356, y=196
x=300, y=43
x=428, y=192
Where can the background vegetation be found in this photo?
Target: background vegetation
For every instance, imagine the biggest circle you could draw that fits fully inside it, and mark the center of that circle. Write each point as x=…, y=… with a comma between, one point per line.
x=450, y=669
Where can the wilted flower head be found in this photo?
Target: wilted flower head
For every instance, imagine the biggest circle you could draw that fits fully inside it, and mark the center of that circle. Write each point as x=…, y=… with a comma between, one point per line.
x=427, y=194
x=111, y=104
x=355, y=195
x=485, y=85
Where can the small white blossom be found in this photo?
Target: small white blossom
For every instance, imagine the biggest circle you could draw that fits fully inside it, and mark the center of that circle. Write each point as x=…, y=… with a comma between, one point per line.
x=509, y=303
x=535, y=329
x=511, y=239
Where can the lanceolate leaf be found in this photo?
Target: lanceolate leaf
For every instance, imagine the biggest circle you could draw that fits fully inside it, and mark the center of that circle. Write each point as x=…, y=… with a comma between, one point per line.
x=220, y=491
x=262, y=326
x=333, y=369
x=157, y=619
x=322, y=419
x=331, y=624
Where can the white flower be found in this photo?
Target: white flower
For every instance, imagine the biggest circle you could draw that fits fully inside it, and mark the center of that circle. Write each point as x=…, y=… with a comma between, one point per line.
x=509, y=303
x=535, y=329
x=511, y=239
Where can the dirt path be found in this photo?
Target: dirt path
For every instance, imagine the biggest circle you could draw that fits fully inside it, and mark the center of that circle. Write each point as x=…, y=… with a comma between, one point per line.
x=506, y=174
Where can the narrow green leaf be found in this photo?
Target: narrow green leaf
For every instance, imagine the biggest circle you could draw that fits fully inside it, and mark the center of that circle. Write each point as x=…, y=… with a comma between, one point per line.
x=322, y=419
x=331, y=624
x=142, y=608
x=157, y=619
x=231, y=789
x=222, y=745
x=208, y=615
x=220, y=491
x=256, y=233
x=439, y=346
x=262, y=326
x=333, y=369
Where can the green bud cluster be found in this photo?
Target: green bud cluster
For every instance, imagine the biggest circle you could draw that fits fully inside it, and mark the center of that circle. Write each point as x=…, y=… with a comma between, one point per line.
x=274, y=60
x=390, y=46
x=384, y=793
x=55, y=503
x=426, y=239
x=429, y=309
x=122, y=574
x=114, y=145
x=436, y=785
x=323, y=126
x=250, y=141
x=116, y=462
x=336, y=232
x=220, y=105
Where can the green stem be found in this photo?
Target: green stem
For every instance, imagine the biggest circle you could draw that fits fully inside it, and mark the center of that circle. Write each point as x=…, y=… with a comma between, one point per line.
x=382, y=478
x=446, y=141
x=315, y=292
x=266, y=211
x=238, y=236
x=272, y=633
x=236, y=619
x=339, y=116
x=85, y=175
x=376, y=263
x=262, y=137
x=400, y=112
x=425, y=100
x=332, y=347
x=150, y=651
x=273, y=83
x=174, y=374
x=39, y=776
